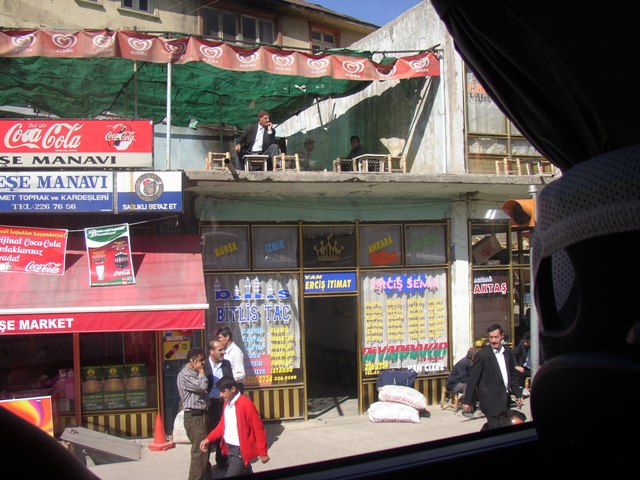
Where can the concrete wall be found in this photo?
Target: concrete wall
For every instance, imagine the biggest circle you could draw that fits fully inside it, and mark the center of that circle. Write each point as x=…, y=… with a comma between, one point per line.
x=421, y=118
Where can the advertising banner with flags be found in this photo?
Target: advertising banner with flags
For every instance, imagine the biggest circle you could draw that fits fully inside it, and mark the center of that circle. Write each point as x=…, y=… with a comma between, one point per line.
x=109, y=256
x=32, y=250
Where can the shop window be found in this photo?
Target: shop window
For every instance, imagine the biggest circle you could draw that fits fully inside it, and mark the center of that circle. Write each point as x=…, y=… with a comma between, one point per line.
x=263, y=313
x=118, y=370
x=329, y=246
x=380, y=245
x=404, y=321
x=520, y=246
x=38, y=365
x=426, y=244
x=225, y=248
x=491, y=297
x=521, y=302
x=275, y=247
x=489, y=244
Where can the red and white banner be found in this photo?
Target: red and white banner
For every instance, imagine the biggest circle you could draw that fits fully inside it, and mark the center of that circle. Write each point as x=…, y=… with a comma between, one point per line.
x=152, y=48
x=36, y=143
x=32, y=250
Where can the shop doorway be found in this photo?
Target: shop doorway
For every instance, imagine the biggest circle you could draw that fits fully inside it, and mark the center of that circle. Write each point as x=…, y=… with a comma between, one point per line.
x=331, y=353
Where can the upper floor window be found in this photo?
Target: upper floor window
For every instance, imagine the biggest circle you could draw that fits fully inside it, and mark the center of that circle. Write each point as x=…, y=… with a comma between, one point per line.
x=323, y=40
x=494, y=144
x=235, y=27
x=142, y=5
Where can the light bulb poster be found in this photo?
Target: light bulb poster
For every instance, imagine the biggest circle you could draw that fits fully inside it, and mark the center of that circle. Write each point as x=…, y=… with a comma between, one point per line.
x=263, y=314
x=109, y=255
x=404, y=319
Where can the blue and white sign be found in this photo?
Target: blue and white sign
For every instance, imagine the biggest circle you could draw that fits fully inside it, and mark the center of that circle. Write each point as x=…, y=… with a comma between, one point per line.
x=56, y=192
x=149, y=192
x=322, y=282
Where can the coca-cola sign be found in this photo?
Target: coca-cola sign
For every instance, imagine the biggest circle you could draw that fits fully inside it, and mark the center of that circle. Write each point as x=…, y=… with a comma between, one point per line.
x=34, y=143
x=32, y=250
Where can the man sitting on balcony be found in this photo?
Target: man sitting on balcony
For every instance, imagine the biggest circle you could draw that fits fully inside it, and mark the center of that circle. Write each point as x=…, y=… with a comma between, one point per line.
x=257, y=139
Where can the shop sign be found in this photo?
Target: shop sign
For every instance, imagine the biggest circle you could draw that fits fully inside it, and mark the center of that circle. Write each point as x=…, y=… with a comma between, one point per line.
x=67, y=144
x=109, y=256
x=149, y=192
x=56, y=192
x=340, y=282
x=32, y=250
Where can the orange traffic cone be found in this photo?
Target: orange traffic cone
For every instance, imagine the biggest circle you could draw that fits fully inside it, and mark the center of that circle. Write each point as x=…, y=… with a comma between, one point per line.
x=160, y=442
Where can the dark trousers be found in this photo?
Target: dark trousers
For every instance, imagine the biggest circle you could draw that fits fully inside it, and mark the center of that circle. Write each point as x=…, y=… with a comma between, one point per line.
x=236, y=463
x=215, y=414
x=196, y=428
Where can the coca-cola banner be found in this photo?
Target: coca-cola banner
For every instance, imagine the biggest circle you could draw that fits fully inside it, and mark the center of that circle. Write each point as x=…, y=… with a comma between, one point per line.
x=32, y=250
x=153, y=48
x=109, y=256
x=36, y=143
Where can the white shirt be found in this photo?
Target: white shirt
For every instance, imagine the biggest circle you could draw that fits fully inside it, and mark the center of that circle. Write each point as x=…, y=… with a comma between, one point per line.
x=503, y=366
x=257, y=145
x=216, y=370
x=231, y=436
x=236, y=358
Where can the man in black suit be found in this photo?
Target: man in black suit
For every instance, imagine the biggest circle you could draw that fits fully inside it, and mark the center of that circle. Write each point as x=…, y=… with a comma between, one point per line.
x=215, y=368
x=493, y=377
x=257, y=139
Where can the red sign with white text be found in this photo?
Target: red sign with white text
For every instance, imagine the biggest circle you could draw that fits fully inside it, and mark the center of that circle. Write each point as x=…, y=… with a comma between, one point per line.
x=112, y=321
x=32, y=250
x=36, y=143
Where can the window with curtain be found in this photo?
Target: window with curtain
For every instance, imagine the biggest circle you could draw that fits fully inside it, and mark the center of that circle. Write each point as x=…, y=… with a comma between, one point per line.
x=237, y=27
x=323, y=39
x=142, y=5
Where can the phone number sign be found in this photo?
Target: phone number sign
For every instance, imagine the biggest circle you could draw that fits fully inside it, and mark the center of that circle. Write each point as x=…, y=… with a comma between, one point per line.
x=45, y=192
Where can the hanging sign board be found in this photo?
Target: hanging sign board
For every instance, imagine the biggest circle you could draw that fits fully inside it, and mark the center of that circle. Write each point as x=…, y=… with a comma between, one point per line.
x=60, y=144
x=56, y=192
x=32, y=250
x=149, y=192
x=109, y=256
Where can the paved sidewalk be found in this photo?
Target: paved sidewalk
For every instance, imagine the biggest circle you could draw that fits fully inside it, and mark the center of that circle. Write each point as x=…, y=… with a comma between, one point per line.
x=335, y=434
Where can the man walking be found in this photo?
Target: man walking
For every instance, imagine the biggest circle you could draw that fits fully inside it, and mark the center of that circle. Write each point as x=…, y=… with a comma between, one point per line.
x=240, y=429
x=216, y=367
x=192, y=388
x=493, y=377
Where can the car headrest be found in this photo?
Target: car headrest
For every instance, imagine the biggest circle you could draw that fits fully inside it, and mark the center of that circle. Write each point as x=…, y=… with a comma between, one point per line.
x=585, y=258
x=585, y=265
x=582, y=406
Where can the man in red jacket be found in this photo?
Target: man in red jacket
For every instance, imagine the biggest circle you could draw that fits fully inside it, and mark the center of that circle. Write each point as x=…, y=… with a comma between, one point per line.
x=240, y=429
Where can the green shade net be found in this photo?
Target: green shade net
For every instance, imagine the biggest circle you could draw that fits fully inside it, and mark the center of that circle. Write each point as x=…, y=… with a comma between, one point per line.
x=88, y=87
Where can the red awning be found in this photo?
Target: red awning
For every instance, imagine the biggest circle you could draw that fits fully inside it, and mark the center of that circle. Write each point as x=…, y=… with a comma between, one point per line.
x=169, y=293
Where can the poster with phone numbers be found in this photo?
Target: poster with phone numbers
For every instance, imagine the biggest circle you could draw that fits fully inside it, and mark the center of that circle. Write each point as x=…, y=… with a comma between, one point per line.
x=262, y=312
